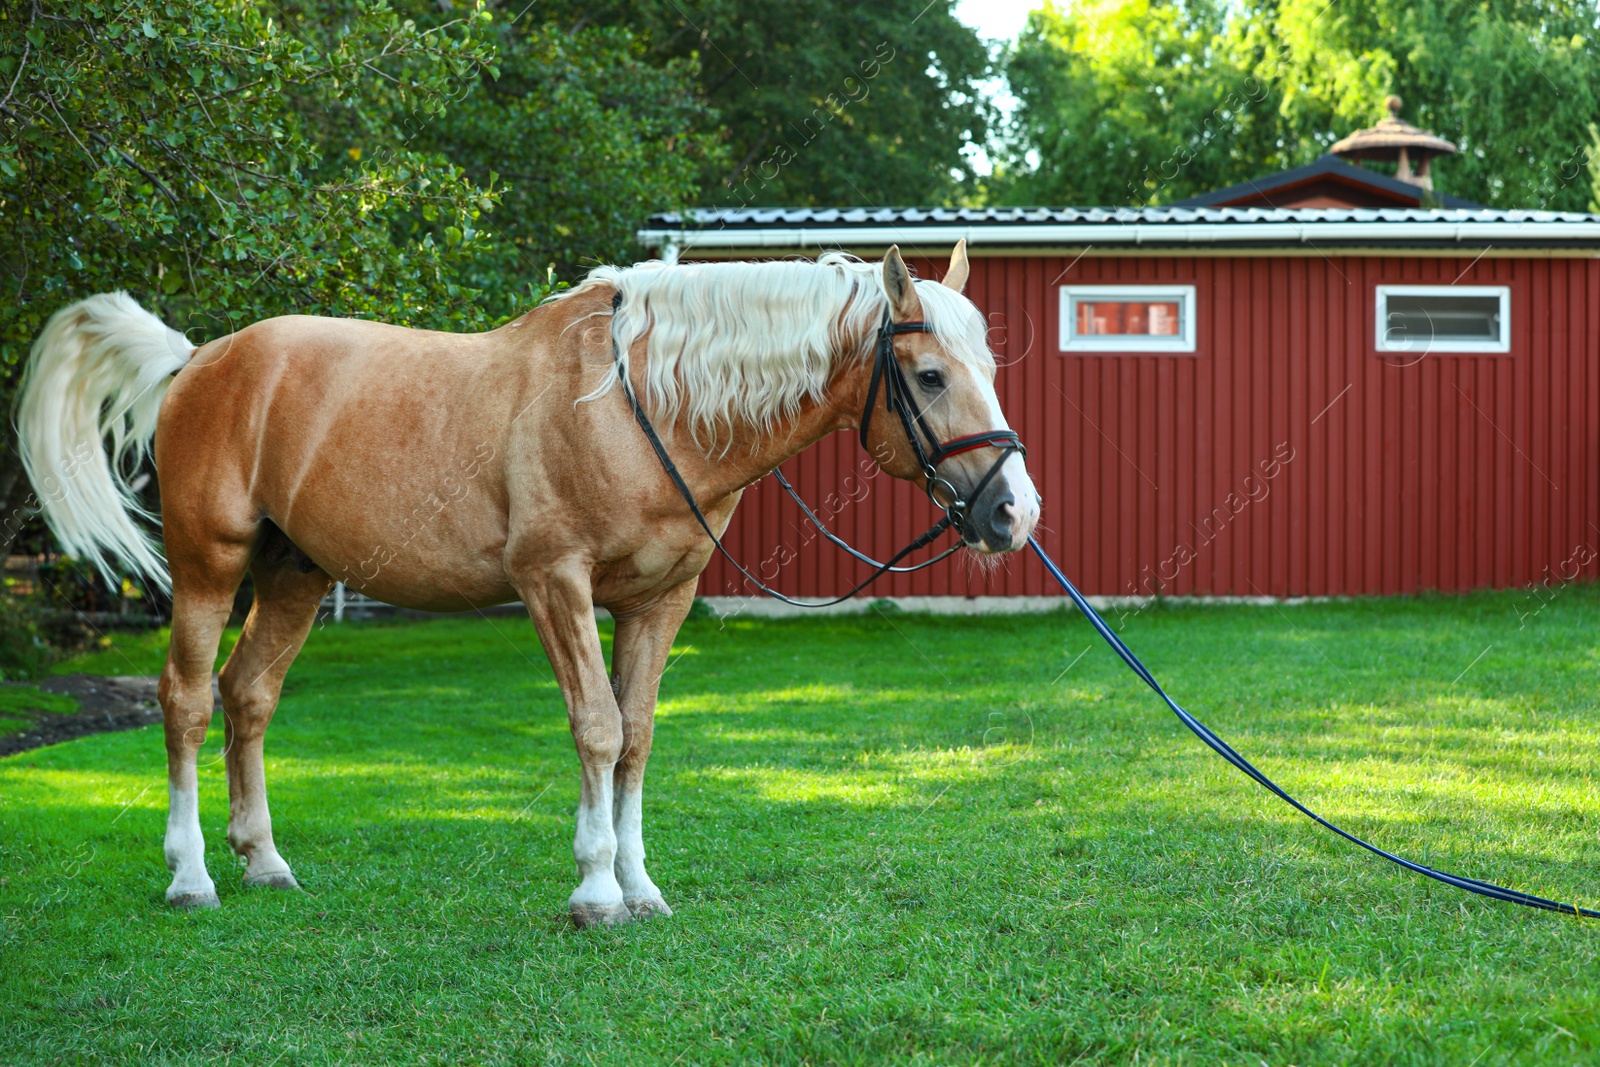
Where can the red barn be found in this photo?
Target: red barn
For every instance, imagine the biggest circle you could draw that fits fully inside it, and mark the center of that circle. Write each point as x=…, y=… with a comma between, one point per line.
x=1235, y=401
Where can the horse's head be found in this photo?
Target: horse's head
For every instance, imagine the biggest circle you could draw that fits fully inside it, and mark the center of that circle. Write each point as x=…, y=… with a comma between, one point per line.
x=937, y=421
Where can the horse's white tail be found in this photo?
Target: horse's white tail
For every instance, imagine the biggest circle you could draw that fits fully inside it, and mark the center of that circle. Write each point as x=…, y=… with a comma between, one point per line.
x=100, y=369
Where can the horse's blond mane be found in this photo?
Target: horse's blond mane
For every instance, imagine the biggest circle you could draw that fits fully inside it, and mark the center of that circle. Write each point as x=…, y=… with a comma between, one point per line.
x=748, y=343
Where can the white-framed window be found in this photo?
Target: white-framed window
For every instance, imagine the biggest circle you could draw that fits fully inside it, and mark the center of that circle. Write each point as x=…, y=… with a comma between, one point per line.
x=1419, y=319
x=1127, y=318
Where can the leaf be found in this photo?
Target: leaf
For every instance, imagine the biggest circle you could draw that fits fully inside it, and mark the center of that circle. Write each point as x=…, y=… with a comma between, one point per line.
x=149, y=29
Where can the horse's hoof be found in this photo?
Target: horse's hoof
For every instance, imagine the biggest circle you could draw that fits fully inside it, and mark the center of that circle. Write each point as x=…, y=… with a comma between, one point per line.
x=276, y=880
x=648, y=908
x=200, y=900
x=586, y=915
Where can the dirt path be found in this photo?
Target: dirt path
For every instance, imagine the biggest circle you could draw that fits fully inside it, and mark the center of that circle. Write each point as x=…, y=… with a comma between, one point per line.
x=119, y=702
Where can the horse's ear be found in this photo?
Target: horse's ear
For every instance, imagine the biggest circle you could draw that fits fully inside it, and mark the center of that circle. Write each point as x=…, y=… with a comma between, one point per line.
x=897, y=285
x=956, y=277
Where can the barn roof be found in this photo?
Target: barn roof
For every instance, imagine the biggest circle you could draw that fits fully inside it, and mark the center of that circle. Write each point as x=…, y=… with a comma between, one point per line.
x=730, y=230
x=1327, y=178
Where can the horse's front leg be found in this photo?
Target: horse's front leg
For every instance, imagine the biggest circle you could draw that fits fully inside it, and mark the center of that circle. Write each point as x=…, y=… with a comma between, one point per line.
x=563, y=613
x=638, y=655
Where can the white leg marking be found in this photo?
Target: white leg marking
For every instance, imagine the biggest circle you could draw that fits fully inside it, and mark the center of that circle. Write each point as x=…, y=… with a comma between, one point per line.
x=265, y=867
x=641, y=893
x=598, y=898
x=186, y=851
x=249, y=821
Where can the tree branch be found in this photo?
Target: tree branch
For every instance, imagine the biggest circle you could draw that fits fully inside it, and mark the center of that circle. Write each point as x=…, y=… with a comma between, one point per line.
x=134, y=163
x=27, y=49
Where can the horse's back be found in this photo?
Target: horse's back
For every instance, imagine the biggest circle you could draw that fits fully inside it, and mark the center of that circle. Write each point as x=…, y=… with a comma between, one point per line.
x=290, y=382
x=319, y=345
x=346, y=434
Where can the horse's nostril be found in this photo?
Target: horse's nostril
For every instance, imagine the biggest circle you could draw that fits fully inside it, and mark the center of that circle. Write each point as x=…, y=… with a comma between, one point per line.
x=1004, y=513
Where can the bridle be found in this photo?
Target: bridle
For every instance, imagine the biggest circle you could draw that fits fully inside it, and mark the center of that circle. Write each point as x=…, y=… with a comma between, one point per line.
x=925, y=445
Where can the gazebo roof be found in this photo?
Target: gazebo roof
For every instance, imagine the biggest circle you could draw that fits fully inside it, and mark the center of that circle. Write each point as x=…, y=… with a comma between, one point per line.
x=1385, y=140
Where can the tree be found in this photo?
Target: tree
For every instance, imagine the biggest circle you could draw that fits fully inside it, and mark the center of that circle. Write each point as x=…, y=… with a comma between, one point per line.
x=590, y=139
x=1514, y=84
x=154, y=148
x=1592, y=160
x=825, y=103
x=1243, y=89
x=581, y=131
x=1133, y=102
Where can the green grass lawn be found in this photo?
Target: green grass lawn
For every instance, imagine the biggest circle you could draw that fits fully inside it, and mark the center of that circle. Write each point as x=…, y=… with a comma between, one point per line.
x=20, y=703
x=887, y=838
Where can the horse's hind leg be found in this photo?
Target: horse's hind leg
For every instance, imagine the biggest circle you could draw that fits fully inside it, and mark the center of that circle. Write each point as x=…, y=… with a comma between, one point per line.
x=203, y=584
x=288, y=590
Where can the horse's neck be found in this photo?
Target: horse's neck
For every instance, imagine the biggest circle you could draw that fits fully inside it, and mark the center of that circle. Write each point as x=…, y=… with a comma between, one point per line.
x=755, y=453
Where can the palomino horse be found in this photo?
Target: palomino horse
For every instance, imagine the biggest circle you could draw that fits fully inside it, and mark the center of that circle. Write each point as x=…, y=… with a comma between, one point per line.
x=447, y=472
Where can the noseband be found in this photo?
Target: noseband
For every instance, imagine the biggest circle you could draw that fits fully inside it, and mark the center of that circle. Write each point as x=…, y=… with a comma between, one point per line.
x=930, y=452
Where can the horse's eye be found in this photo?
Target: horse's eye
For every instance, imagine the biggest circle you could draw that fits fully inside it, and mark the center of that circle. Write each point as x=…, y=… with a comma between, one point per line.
x=931, y=378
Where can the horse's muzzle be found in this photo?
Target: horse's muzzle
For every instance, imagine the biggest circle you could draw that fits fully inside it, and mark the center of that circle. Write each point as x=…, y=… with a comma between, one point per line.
x=997, y=523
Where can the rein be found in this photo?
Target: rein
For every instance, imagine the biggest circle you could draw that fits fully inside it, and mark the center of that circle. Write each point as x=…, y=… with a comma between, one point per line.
x=887, y=375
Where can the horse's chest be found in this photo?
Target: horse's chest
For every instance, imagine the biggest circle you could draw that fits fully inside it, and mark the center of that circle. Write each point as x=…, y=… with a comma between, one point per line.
x=658, y=564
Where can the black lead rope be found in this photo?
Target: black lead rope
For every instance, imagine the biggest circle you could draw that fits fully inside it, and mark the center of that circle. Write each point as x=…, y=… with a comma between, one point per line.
x=1223, y=749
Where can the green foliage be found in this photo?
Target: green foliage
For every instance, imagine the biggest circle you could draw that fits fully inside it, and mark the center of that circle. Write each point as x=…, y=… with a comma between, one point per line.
x=579, y=131
x=160, y=148
x=918, y=840
x=24, y=653
x=1593, y=161
x=154, y=147
x=1154, y=101
x=589, y=138
x=826, y=103
x=1123, y=103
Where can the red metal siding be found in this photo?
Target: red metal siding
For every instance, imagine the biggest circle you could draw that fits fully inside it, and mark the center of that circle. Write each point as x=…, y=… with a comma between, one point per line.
x=1454, y=473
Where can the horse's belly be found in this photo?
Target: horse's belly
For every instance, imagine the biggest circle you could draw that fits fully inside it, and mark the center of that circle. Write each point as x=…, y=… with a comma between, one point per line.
x=438, y=565
x=436, y=591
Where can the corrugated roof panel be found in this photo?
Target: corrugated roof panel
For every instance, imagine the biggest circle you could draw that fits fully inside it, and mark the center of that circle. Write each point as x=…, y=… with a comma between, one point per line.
x=754, y=218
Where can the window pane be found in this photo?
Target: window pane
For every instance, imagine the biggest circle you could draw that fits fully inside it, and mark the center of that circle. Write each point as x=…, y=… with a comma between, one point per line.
x=1442, y=318
x=1129, y=318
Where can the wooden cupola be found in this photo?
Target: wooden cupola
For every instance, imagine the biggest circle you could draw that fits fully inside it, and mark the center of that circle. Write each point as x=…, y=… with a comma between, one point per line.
x=1393, y=140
